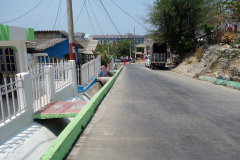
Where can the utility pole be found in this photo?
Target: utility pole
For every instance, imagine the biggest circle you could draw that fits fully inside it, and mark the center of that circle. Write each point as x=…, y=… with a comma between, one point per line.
x=135, y=42
x=72, y=55
x=130, y=50
x=108, y=47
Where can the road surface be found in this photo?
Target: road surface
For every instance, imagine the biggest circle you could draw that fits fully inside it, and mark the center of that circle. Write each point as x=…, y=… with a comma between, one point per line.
x=158, y=114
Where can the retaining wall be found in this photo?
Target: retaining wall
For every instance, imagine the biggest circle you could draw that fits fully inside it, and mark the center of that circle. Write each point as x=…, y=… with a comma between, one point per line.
x=62, y=144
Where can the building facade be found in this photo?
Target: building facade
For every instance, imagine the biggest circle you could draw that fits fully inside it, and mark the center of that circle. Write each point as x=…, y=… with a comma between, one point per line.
x=114, y=38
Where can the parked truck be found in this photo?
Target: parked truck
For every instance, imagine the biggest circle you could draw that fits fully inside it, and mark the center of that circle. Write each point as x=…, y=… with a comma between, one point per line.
x=158, y=56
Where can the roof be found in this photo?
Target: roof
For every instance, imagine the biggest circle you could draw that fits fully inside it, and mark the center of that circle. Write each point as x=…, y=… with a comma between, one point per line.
x=88, y=46
x=42, y=44
x=53, y=31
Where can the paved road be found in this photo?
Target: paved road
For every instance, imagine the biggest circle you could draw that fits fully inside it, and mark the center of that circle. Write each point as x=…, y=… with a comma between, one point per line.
x=162, y=115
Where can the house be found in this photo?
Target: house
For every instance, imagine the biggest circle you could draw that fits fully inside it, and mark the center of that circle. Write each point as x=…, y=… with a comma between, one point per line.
x=55, y=43
x=86, y=53
x=13, y=52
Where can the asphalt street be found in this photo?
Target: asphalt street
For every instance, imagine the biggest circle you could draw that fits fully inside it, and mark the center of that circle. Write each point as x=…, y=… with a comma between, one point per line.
x=158, y=114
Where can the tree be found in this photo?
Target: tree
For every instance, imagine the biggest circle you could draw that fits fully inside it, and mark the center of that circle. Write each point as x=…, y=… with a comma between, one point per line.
x=120, y=48
x=229, y=9
x=123, y=47
x=175, y=22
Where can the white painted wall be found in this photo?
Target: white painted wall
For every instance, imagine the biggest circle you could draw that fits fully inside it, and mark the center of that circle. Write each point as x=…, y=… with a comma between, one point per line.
x=23, y=119
x=17, y=33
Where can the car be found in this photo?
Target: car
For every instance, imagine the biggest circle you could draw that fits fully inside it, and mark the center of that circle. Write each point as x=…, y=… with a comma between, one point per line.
x=118, y=60
x=147, y=61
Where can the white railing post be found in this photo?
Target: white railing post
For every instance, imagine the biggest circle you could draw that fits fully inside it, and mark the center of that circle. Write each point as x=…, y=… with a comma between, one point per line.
x=74, y=77
x=25, y=95
x=81, y=74
x=94, y=67
x=50, y=83
x=88, y=72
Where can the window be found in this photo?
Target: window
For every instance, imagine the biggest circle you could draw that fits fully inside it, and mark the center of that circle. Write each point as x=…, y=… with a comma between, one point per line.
x=7, y=61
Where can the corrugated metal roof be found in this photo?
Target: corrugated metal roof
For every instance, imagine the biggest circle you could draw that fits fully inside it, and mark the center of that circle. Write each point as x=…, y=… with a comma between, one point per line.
x=52, y=31
x=88, y=46
x=42, y=44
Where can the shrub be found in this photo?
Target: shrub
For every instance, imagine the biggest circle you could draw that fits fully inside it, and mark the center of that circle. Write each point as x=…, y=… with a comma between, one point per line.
x=198, y=53
x=229, y=36
x=214, y=64
x=217, y=37
x=188, y=61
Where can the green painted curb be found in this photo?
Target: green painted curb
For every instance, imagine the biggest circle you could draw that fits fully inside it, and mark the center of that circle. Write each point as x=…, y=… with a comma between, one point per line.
x=61, y=145
x=220, y=81
x=50, y=116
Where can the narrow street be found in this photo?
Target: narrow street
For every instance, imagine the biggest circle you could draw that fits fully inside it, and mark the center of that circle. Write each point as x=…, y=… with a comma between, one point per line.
x=158, y=114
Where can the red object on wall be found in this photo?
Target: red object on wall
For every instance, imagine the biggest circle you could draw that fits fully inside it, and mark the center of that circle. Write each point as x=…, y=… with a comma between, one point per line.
x=72, y=55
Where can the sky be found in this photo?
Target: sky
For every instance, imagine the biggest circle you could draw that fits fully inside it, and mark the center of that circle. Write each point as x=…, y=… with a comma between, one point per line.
x=39, y=19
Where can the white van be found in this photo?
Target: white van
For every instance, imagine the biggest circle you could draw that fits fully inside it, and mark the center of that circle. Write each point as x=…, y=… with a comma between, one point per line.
x=147, y=61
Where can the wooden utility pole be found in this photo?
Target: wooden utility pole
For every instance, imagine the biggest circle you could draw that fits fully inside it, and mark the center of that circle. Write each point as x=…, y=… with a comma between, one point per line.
x=72, y=53
x=135, y=42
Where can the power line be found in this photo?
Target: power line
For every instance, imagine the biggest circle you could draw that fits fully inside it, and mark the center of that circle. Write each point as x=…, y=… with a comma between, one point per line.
x=57, y=14
x=60, y=15
x=110, y=17
x=128, y=14
x=89, y=18
x=80, y=12
x=24, y=14
x=64, y=19
x=44, y=14
x=95, y=16
x=99, y=6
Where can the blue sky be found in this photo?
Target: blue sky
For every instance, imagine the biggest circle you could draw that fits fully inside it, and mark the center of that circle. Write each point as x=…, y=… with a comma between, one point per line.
x=11, y=9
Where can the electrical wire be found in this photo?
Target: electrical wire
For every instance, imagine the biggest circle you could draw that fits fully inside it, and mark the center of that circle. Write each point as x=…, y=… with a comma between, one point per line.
x=110, y=18
x=59, y=14
x=64, y=19
x=80, y=12
x=23, y=14
x=89, y=18
x=44, y=14
x=99, y=6
x=95, y=16
x=129, y=15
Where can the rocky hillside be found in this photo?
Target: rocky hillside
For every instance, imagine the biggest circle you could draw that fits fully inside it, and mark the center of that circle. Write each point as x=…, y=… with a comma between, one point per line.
x=216, y=61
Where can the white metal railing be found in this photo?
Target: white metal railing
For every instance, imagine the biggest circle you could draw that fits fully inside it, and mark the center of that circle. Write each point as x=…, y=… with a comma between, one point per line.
x=62, y=74
x=89, y=70
x=10, y=99
x=39, y=78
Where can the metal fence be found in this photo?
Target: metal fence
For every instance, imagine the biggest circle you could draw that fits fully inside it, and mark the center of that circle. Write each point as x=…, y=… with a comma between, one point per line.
x=62, y=74
x=88, y=70
x=39, y=77
x=10, y=99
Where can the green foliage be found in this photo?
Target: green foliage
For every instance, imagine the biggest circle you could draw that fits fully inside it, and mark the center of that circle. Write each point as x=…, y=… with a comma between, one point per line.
x=214, y=64
x=188, y=61
x=174, y=22
x=228, y=8
x=198, y=53
x=207, y=28
x=120, y=48
x=105, y=59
